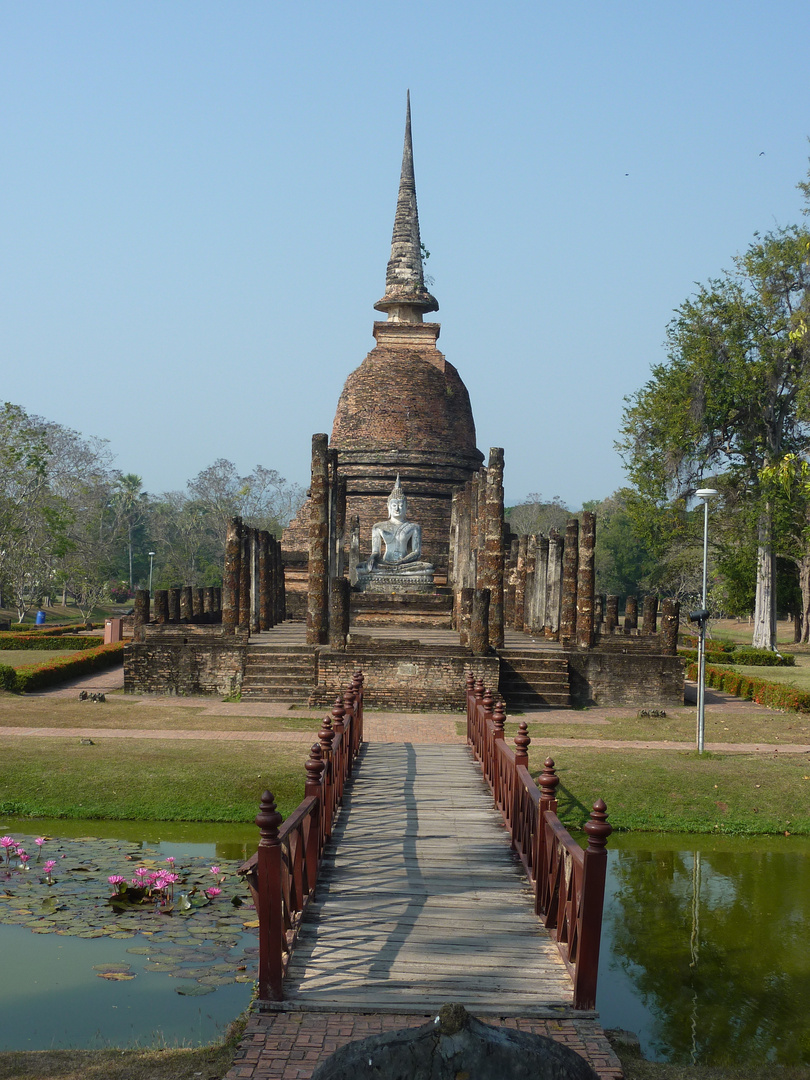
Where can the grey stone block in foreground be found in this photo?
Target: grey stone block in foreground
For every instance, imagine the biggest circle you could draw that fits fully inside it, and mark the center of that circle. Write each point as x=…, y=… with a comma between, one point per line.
x=455, y=1044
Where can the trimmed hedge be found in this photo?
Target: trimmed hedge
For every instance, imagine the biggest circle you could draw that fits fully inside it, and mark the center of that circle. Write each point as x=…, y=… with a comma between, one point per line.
x=38, y=676
x=689, y=641
x=36, y=641
x=743, y=656
x=48, y=631
x=745, y=686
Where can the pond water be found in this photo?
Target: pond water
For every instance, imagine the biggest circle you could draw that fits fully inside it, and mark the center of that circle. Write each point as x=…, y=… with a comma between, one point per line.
x=76, y=974
x=706, y=947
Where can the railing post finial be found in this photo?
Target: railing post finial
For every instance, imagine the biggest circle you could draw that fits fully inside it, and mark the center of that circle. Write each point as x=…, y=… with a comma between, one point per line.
x=522, y=742
x=549, y=779
x=488, y=701
x=598, y=827
x=268, y=820
x=498, y=719
x=326, y=735
x=314, y=768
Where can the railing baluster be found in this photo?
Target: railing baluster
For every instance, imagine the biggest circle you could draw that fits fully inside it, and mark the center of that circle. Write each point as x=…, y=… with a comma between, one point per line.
x=271, y=930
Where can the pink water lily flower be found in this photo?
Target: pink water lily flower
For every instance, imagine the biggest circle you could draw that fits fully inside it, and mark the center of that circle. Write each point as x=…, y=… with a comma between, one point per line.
x=213, y=891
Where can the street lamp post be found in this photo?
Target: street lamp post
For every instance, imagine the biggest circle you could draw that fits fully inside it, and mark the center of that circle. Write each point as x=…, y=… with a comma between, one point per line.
x=705, y=494
x=151, y=557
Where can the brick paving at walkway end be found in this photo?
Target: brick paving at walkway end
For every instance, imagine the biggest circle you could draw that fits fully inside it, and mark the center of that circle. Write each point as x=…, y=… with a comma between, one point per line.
x=290, y=1045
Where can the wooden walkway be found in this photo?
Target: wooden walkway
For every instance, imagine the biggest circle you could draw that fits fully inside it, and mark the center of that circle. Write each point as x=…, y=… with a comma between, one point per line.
x=420, y=901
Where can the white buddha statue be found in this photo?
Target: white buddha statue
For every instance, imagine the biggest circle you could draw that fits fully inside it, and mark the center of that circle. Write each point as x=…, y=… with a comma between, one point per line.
x=402, y=541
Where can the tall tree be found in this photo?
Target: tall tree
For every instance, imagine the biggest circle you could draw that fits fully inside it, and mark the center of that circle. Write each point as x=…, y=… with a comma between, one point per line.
x=733, y=397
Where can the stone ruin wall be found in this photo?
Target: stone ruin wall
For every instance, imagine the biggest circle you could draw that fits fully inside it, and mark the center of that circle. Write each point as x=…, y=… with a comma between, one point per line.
x=194, y=641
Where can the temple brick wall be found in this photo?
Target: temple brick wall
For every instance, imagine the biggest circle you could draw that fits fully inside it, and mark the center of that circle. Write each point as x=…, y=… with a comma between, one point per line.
x=420, y=681
x=185, y=660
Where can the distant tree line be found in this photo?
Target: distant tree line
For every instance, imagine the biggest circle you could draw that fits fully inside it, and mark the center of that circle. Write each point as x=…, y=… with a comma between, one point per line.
x=74, y=528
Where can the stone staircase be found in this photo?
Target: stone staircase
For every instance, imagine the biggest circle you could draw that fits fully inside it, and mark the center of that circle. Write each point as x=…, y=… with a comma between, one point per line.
x=534, y=679
x=278, y=672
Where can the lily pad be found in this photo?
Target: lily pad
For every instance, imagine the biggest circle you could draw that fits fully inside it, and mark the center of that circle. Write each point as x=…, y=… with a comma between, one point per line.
x=112, y=967
x=115, y=976
x=217, y=980
x=193, y=989
x=141, y=950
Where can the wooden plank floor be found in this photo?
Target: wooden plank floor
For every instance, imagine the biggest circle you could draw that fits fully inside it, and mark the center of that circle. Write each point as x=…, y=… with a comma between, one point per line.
x=420, y=901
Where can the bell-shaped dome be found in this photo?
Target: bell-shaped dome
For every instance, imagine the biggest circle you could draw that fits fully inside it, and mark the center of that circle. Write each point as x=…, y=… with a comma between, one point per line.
x=406, y=400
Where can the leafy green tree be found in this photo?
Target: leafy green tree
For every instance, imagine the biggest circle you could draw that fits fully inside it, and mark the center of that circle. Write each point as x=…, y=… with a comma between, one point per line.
x=732, y=398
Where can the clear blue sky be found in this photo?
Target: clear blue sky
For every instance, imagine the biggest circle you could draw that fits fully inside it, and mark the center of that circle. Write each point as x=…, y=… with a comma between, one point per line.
x=197, y=202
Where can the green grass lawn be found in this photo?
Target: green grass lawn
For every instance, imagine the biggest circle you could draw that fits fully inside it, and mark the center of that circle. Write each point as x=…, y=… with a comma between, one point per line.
x=124, y=712
x=148, y=779
x=677, y=791
x=722, y=726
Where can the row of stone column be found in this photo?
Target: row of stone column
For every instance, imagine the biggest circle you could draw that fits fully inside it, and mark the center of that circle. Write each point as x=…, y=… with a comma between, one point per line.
x=476, y=556
x=327, y=590
x=253, y=579
x=183, y=605
x=550, y=583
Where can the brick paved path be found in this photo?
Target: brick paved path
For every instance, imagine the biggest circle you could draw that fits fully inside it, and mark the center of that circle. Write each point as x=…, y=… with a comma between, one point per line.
x=289, y=1045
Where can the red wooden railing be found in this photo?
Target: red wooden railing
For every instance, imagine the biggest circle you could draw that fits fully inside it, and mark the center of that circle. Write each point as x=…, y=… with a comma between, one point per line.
x=568, y=883
x=283, y=873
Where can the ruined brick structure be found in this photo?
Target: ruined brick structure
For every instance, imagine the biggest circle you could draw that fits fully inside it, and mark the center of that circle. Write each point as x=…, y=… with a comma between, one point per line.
x=405, y=410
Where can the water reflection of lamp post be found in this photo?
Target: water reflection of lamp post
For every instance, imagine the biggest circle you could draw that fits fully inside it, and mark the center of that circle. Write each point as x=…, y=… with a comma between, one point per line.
x=151, y=557
x=704, y=494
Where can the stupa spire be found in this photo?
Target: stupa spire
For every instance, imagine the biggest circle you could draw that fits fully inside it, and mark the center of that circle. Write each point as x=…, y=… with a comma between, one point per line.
x=406, y=298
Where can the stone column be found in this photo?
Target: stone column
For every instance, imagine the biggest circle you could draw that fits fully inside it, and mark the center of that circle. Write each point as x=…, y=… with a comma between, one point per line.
x=477, y=530
x=465, y=615
x=281, y=590
x=492, y=577
x=598, y=612
x=480, y=632
x=670, y=613
x=332, y=493
x=554, y=586
x=318, y=592
x=161, y=606
x=265, y=582
x=231, y=575
x=568, y=614
x=174, y=605
x=340, y=532
x=197, y=604
x=510, y=582
x=255, y=584
x=539, y=618
x=452, y=549
x=520, y=582
x=611, y=614
x=530, y=602
x=142, y=611
x=650, y=621
x=354, y=548
x=339, y=612
x=186, y=605
x=244, y=580
x=586, y=580
x=209, y=603
x=630, y=614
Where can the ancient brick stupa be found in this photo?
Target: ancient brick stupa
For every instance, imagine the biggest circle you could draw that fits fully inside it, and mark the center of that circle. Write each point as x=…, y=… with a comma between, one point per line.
x=405, y=410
